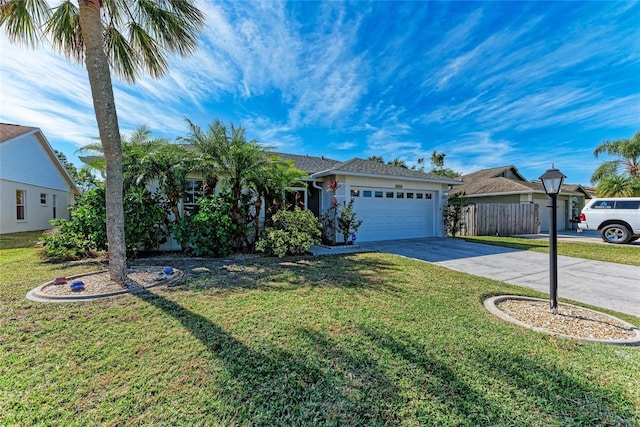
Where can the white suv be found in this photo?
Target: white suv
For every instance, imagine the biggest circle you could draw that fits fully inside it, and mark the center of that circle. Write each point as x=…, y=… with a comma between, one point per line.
x=617, y=218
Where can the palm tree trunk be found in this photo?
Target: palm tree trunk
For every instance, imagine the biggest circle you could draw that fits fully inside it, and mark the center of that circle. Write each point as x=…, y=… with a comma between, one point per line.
x=105, y=109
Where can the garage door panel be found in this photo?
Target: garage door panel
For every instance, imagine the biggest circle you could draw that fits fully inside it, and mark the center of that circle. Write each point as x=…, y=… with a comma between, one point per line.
x=393, y=218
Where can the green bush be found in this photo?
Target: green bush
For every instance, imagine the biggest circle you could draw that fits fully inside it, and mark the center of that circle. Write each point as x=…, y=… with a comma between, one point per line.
x=292, y=233
x=453, y=213
x=208, y=230
x=86, y=232
x=348, y=225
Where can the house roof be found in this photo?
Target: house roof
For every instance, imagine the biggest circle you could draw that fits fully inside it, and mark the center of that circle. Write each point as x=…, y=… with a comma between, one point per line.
x=9, y=131
x=505, y=180
x=309, y=164
x=318, y=167
x=362, y=167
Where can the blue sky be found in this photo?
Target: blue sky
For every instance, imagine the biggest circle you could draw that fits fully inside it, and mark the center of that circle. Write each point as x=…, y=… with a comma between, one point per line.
x=489, y=84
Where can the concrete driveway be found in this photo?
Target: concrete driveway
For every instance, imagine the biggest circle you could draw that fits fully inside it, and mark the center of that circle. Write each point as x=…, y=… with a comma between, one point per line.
x=602, y=284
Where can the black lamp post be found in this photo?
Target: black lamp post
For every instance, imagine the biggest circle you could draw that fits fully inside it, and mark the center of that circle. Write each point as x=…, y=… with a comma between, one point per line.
x=552, y=181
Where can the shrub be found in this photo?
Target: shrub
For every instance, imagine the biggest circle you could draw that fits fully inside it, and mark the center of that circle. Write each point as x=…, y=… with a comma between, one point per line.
x=454, y=212
x=348, y=225
x=86, y=232
x=292, y=233
x=208, y=230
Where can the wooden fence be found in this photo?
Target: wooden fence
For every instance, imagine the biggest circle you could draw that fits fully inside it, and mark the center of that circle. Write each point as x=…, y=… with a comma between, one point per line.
x=501, y=219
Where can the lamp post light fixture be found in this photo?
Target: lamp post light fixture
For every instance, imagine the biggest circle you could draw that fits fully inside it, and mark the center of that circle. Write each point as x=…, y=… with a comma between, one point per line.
x=552, y=181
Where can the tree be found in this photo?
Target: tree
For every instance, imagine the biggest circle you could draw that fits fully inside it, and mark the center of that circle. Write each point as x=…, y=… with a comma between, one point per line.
x=398, y=163
x=146, y=159
x=437, y=166
x=131, y=35
x=437, y=160
x=453, y=213
x=376, y=159
x=83, y=178
x=619, y=176
x=246, y=170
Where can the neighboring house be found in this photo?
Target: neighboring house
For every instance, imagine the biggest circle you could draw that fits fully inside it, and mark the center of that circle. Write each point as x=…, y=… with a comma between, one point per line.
x=506, y=184
x=392, y=202
x=34, y=186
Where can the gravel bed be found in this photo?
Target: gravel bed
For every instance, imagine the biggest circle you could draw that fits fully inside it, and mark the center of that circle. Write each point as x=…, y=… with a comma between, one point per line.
x=100, y=283
x=570, y=320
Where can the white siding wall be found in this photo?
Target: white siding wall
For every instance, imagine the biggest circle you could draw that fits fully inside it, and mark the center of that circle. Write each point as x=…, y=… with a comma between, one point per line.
x=26, y=165
x=24, y=159
x=37, y=215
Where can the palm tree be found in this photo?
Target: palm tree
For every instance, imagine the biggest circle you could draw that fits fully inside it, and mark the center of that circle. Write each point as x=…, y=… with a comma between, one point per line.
x=246, y=169
x=621, y=175
x=437, y=160
x=145, y=160
x=618, y=186
x=398, y=163
x=131, y=35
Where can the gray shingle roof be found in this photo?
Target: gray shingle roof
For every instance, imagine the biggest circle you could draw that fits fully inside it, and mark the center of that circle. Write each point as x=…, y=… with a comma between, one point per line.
x=309, y=164
x=9, y=131
x=358, y=166
x=493, y=181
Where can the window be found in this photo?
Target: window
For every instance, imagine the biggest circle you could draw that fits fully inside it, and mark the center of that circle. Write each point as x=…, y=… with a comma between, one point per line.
x=378, y=194
x=389, y=194
x=21, y=200
x=409, y=195
x=43, y=198
x=193, y=193
x=419, y=195
x=355, y=193
x=627, y=204
x=366, y=193
x=399, y=195
x=427, y=196
x=604, y=204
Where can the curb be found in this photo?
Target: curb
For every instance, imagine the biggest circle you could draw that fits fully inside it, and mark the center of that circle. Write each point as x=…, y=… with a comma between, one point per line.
x=38, y=295
x=491, y=305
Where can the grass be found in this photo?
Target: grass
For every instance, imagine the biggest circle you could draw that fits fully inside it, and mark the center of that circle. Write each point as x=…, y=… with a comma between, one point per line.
x=364, y=339
x=621, y=254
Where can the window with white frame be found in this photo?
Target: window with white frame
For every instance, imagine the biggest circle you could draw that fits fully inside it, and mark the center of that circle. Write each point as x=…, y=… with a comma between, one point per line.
x=193, y=193
x=21, y=201
x=43, y=198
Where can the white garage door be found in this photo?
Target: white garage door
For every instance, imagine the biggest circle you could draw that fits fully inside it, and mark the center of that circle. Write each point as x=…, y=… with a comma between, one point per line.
x=398, y=214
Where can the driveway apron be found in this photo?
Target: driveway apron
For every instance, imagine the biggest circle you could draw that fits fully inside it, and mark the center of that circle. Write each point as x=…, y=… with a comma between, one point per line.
x=602, y=284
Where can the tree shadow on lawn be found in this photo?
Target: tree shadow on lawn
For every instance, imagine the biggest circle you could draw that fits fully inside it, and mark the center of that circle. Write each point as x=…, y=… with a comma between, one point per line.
x=315, y=384
x=287, y=274
x=552, y=396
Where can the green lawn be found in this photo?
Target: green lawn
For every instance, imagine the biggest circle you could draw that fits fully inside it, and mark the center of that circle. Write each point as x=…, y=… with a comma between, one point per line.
x=365, y=339
x=622, y=254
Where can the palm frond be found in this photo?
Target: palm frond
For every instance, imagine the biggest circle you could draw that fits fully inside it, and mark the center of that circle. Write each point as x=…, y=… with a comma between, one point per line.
x=23, y=20
x=64, y=29
x=93, y=148
x=123, y=57
x=149, y=50
x=605, y=170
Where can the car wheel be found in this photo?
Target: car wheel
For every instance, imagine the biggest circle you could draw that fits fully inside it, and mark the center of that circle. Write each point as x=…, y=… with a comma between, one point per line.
x=615, y=233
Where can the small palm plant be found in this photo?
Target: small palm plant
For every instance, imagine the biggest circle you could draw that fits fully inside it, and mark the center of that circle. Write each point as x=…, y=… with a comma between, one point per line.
x=348, y=225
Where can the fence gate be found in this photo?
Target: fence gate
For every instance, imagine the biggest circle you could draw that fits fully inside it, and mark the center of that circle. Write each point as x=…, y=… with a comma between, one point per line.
x=501, y=219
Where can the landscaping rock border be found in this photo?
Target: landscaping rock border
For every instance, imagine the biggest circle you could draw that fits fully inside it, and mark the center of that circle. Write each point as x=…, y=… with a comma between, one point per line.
x=586, y=316
x=99, y=285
